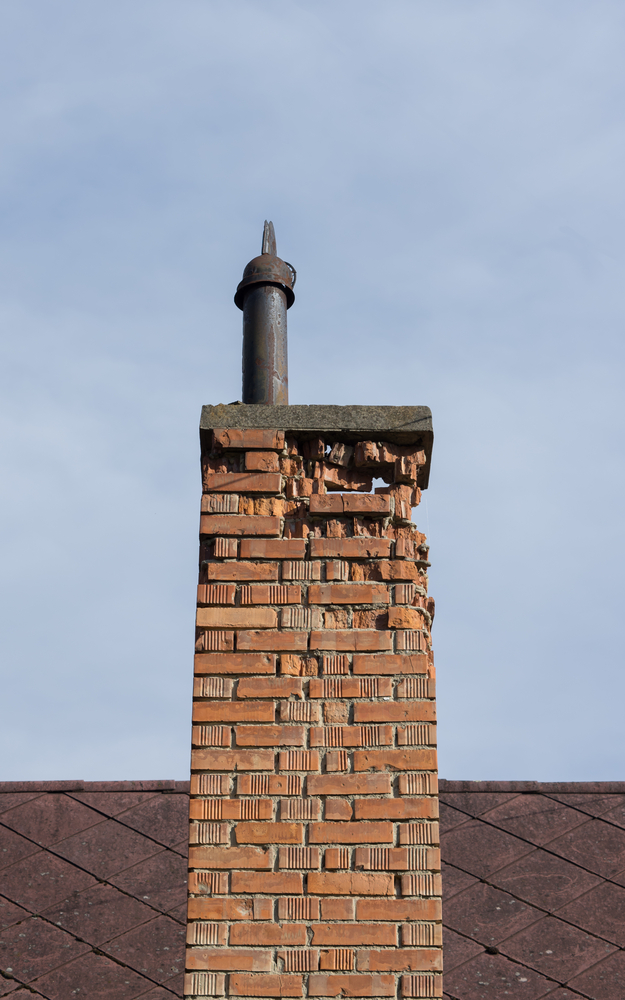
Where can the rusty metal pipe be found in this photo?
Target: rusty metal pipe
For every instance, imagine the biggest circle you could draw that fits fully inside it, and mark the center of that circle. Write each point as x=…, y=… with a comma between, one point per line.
x=264, y=294
x=265, y=363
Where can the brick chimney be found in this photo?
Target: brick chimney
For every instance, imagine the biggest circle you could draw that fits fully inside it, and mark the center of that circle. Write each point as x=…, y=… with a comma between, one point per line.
x=314, y=858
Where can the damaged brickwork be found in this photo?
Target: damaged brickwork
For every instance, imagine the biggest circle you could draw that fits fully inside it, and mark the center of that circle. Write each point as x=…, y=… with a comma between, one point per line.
x=314, y=846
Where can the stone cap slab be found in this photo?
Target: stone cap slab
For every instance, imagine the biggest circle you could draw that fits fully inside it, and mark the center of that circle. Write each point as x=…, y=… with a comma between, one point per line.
x=396, y=424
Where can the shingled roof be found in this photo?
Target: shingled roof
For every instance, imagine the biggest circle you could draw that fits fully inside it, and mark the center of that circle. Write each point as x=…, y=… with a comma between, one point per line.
x=93, y=890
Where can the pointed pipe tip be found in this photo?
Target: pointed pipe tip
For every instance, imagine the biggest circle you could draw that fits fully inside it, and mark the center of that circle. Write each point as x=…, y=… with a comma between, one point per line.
x=269, y=239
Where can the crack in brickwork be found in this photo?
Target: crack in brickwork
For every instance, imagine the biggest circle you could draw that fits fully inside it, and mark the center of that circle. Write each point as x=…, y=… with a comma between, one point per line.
x=314, y=846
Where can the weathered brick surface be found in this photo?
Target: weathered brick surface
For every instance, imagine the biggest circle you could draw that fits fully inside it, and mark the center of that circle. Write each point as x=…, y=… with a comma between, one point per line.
x=239, y=524
x=242, y=571
x=314, y=859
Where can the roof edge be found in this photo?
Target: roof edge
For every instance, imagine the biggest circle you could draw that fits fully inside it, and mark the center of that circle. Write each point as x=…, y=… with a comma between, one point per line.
x=562, y=787
x=94, y=786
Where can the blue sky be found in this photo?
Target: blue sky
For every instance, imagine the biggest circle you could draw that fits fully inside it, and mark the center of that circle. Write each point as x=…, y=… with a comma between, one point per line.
x=447, y=178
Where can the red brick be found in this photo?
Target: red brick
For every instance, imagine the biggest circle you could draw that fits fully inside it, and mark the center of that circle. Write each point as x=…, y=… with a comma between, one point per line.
x=269, y=784
x=266, y=548
x=242, y=985
x=274, y=687
x=414, y=986
x=297, y=857
x=262, y=461
x=391, y=663
x=298, y=760
x=271, y=883
x=210, y=784
x=363, y=503
x=350, y=833
x=421, y=884
x=230, y=909
x=420, y=735
x=189, y=984
x=301, y=618
x=354, y=934
x=348, y=784
x=236, y=618
x=395, y=569
x=299, y=666
x=335, y=663
x=220, y=833
x=398, y=909
x=337, y=569
x=220, y=937
x=338, y=809
x=348, y=548
x=269, y=833
x=274, y=640
x=335, y=713
x=418, y=833
x=226, y=808
x=347, y=479
x=326, y=503
x=401, y=960
x=400, y=617
x=270, y=736
x=302, y=961
x=208, y=883
x=396, y=859
x=348, y=593
x=397, y=760
x=404, y=548
x=211, y=736
x=349, y=736
x=298, y=908
x=269, y=934
x=347, y=985
x=410, y=640
x=242, y=571
x=337, y=760
x=234, y=663
x=225, y=548
x=336, y=857
x=221, y=593
x=338, y=909
x=351, y=687
x=418, y=784
x=221, y=503
x=246, y=711
x=214, y=641
x=212, y=687
x=228, y=857
x=333, y=959
x=396, y=808
x=232, y=760
x=349, y=884
x=272, y=594
x=226, y=959
x=252, y=438
x=351, y=639
x=398, y=711
x=239, y=524
x=313, y=448
x=421, y=687
x=306, y=569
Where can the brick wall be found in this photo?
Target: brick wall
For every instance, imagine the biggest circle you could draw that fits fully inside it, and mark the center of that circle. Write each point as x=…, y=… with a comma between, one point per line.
x=314, y=858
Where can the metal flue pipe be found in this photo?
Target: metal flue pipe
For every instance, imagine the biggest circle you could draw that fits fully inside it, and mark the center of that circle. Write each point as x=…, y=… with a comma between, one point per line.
x=264, y=294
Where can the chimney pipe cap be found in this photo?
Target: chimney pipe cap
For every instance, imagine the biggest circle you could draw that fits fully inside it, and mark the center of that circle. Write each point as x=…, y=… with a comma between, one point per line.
x=267, y=269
